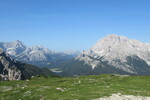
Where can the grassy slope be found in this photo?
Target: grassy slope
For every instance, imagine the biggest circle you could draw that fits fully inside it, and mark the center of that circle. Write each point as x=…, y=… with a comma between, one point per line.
x=69, y=88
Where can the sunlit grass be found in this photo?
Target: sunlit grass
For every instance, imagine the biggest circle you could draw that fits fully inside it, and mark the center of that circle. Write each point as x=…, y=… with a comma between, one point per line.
x=74, y=88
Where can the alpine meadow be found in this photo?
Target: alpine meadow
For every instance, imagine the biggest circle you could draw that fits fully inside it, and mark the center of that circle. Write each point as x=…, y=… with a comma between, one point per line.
x=74, y=50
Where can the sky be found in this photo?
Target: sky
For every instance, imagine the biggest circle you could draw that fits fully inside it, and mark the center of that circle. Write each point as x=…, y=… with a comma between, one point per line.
x=62, y=25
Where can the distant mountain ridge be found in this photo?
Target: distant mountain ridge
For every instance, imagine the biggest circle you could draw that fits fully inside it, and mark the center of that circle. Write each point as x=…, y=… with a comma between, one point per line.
x=14, y=70
x=36, y=55
x=112, y=55
x=13, y=48
x=74, y=53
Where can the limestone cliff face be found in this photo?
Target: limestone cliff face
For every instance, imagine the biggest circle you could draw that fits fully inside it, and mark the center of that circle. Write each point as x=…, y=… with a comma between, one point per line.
x=8, y=69
x=121, y=53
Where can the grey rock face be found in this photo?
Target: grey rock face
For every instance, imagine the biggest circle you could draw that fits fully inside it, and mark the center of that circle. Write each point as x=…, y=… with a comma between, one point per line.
x=8, y=69
x=122, y=53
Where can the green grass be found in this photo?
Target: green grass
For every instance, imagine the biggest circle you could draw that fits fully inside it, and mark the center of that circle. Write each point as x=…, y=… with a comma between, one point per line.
x=74, y=88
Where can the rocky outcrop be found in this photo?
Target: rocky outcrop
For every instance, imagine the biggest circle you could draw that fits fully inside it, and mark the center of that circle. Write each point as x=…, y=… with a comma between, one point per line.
x=8, y=68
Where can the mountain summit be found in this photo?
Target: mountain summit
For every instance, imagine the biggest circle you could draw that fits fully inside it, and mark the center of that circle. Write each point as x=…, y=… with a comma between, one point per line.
x=114, y=47
x=114, y=54
x=13, y=48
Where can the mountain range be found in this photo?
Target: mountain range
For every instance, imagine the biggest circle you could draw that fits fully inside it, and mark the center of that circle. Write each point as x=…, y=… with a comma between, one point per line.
x=11, y=69
x=111, y=55
x=36, y=55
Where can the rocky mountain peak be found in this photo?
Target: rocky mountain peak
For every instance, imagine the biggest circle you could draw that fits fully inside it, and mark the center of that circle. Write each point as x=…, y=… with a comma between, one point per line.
x=13, y=48
x=116, y=50
x=115, y=37
x=17, y=42
x=14, y=44
x=119, y=46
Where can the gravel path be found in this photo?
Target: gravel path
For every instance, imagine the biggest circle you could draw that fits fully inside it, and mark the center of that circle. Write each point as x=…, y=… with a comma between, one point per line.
x=124, y=97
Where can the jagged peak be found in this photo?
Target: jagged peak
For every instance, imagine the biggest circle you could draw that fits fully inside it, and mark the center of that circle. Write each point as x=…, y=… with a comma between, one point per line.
x=17, y=42
x=113, y=47
x=114, y=38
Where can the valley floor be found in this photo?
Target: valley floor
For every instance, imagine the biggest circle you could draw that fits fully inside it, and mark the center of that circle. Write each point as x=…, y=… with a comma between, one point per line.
x=78, y=88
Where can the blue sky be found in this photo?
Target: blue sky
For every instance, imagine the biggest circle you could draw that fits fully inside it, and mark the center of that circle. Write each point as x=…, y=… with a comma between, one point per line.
x=72, y=24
